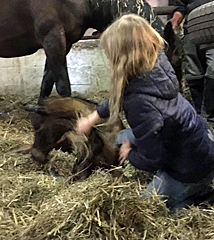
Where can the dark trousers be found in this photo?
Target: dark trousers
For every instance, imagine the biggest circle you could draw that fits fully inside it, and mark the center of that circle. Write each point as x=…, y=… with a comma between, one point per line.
x=199, y=68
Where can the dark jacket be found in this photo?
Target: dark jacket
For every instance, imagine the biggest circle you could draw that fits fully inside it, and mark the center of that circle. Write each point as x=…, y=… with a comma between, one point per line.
x=169, y=134
x=186, y=6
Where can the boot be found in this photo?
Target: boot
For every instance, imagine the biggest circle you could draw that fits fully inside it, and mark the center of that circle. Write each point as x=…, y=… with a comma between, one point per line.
x=196, y=87
x=209, y=98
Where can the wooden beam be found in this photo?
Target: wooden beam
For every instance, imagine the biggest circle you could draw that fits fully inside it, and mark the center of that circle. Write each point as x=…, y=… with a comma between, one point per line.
x=166, y=10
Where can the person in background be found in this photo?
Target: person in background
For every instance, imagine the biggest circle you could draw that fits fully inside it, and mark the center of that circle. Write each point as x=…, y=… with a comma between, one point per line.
x=199, y=63
x=166, y=134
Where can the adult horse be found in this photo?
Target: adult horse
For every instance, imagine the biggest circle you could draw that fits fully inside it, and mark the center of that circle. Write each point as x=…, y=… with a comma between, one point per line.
x=54, y=25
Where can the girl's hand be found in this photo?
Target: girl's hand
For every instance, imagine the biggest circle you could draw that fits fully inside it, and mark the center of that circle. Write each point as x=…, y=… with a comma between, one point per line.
x=85, y=124
x=124, y=151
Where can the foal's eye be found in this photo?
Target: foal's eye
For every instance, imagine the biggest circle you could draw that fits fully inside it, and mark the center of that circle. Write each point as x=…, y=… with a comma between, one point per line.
x=37, y=127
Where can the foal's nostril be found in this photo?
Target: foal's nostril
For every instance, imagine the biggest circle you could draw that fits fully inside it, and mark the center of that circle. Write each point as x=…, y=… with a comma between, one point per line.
x=38, y=156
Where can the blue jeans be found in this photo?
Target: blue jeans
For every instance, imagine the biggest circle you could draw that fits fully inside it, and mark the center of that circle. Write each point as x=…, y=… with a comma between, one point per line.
x=176, y=194
x=125, y=134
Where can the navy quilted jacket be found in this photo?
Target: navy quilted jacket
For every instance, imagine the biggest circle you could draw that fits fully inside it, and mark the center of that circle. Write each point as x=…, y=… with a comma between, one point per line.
x=169, y=134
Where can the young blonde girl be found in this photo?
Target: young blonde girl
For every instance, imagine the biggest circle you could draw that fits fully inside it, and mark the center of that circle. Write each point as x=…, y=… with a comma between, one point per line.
x=166, y=134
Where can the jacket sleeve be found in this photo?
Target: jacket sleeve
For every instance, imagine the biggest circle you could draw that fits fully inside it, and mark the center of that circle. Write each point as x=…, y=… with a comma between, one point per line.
x=181, y=6
x=146, y=122
x=103, y=109
x=148, y=154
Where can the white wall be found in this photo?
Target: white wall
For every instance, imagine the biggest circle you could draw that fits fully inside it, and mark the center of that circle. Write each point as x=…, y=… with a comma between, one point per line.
x=158, y=3
x=87, y=67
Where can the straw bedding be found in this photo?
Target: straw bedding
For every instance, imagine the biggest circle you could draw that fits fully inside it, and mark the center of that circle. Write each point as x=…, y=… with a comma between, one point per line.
x=34, y=204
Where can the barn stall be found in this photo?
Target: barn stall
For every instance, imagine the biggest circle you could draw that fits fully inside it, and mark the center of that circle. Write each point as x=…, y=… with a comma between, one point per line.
x=39, y=203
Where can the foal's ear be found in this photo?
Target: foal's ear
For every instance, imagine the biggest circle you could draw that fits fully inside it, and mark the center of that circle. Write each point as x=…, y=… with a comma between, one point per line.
x=63, y=138
x=36, y=109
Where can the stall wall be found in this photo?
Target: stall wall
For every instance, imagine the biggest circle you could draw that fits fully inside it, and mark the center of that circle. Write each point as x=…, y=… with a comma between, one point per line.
x=158, y=3
x=87, y=67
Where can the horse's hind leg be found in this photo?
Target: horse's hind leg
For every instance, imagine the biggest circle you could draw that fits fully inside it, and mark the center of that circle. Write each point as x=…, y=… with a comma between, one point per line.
x=54, y=44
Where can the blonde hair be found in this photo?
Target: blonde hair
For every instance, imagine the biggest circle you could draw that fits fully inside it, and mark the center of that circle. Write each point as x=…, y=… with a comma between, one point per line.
x=132, y=47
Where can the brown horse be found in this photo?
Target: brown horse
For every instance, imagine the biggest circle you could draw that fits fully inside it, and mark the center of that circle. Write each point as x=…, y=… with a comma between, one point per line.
x=54, y=25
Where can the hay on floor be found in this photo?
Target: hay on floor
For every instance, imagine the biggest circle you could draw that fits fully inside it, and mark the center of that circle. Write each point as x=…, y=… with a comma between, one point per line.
x=35, y=205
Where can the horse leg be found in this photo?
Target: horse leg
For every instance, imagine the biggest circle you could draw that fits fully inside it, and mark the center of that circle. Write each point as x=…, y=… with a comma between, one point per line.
x=54, y=44
x=47, y=84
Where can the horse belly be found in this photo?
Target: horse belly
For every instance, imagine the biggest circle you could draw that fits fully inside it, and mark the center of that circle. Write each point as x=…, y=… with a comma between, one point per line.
x=16, y=29
x=20, y=46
